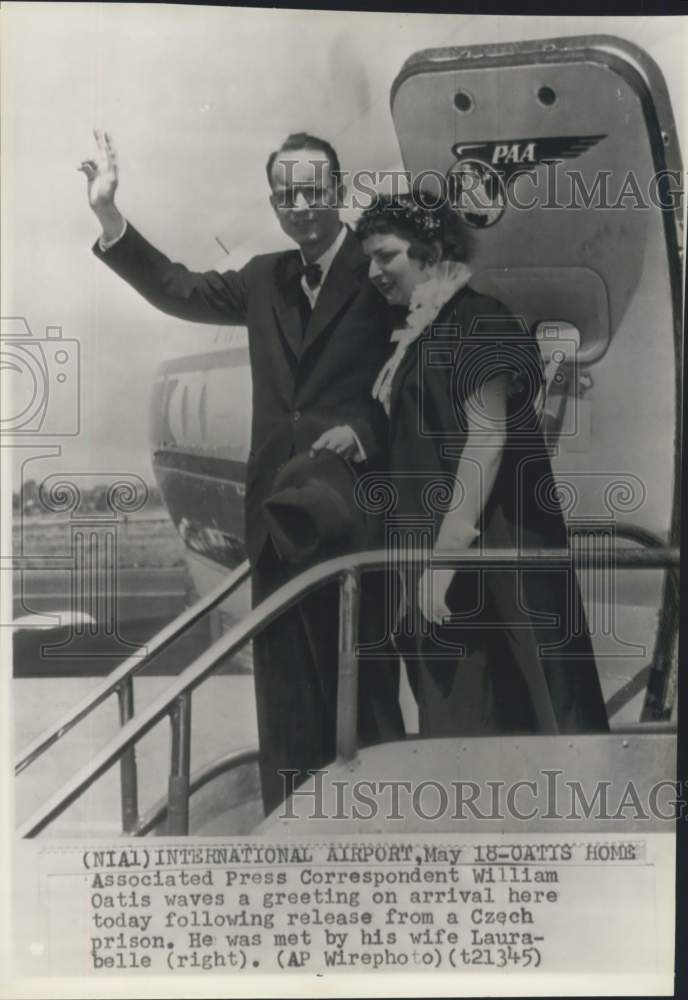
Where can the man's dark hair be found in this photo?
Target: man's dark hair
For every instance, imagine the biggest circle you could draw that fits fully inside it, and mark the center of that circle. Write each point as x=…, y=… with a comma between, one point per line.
x=303, y=140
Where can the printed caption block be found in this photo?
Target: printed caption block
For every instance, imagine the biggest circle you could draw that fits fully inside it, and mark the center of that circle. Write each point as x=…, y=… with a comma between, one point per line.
x=468, y=904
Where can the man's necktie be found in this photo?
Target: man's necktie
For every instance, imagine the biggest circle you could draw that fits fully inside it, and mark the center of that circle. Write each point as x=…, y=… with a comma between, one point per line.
x=313, y=274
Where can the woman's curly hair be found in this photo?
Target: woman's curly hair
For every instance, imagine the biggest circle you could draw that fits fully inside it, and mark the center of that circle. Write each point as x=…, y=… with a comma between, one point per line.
x=416, y=218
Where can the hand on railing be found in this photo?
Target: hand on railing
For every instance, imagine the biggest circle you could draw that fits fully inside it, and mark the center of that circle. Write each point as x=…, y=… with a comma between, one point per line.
x=345, y=568
x=432, y=594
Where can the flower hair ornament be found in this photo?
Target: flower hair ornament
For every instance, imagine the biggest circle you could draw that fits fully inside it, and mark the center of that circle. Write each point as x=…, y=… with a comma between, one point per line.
x=426, y=301
x=405, y=210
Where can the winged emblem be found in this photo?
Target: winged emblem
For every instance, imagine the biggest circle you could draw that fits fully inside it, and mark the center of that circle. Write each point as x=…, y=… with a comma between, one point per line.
x=513, y=156
x=479, y=180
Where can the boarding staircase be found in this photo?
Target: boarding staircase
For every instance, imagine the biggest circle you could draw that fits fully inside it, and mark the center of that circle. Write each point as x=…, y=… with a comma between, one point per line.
x=171, y=815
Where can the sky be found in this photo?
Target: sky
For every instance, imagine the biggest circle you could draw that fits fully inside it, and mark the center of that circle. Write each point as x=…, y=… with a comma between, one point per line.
x=195, y=99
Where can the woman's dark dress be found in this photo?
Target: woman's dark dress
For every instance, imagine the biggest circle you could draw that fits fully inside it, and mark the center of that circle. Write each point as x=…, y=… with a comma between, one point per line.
x=482, y=690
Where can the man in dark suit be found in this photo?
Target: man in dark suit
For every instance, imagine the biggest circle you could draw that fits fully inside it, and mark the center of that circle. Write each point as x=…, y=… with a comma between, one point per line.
x=318, y=335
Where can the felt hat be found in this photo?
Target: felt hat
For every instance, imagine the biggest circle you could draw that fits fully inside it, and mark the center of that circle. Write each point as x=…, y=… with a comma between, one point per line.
x=312, y=514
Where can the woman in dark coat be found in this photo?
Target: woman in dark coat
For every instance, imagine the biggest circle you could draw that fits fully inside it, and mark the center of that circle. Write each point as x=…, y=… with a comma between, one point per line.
x=469, y=467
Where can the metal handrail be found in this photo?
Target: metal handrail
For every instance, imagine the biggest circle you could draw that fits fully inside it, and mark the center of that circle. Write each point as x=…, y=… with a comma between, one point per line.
x=635, y=533
x=115, y=682
x=119, y=681
x=250, y=755
x=658, y=678
x=229, y=762
x=176, y=701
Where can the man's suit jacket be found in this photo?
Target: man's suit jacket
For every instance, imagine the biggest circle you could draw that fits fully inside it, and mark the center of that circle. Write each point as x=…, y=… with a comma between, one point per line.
x=304, y=380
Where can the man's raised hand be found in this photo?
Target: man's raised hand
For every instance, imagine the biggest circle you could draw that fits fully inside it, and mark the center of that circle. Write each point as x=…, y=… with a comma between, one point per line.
x=103, y=176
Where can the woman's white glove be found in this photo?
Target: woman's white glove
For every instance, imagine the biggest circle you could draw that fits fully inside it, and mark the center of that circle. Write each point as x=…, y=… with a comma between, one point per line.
x=432, y=594
x=454, y=536
x=343, y=440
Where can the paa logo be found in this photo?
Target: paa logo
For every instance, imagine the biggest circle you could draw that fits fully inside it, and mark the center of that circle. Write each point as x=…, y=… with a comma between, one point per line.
x=479, y=179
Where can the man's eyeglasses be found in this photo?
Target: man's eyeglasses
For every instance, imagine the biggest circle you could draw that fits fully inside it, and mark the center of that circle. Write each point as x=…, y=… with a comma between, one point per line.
x=305, y=195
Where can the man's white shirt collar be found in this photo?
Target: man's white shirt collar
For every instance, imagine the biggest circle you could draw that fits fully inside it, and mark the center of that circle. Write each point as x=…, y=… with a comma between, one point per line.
x=325, y=262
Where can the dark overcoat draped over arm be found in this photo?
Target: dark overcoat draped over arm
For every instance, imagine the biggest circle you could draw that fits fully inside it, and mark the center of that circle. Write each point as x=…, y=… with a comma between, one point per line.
x=304, y=380
x=508, y=618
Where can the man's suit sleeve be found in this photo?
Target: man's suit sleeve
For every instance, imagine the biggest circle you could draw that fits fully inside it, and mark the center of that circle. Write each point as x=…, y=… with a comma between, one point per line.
x=202, y=297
